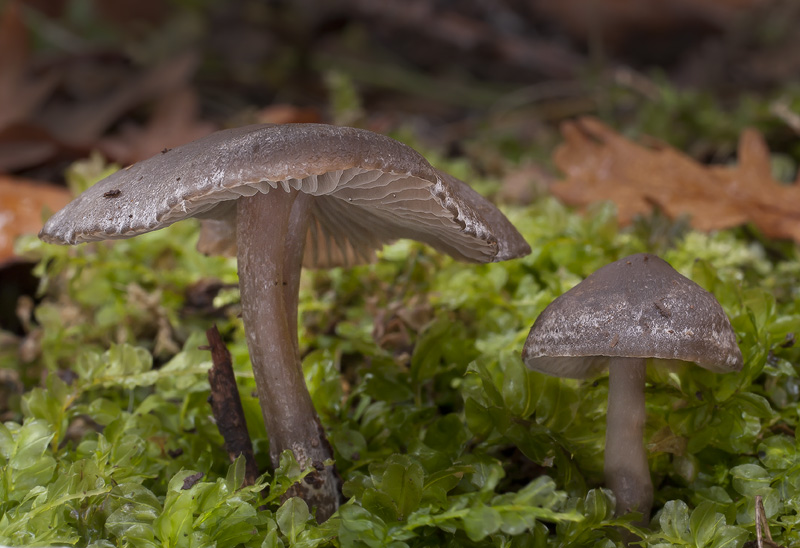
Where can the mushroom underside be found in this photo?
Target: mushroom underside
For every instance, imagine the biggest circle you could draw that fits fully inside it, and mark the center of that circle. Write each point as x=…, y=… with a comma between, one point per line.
x=355, y=211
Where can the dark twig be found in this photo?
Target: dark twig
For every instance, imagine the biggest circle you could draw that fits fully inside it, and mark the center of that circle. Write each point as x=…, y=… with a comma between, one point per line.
x=763, y=535
x=227, y=407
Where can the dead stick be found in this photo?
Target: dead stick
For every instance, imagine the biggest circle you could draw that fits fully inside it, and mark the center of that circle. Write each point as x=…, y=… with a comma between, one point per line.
x=227, y=407
x=763, y=534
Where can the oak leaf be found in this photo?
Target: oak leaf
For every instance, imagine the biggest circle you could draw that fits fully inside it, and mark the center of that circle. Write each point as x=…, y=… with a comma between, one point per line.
x=600, y=164
x=21, y=205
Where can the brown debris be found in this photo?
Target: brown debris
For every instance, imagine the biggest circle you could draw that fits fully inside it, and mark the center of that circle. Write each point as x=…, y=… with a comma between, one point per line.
x=602, y=165
x=284, y=113
x=191, y=481
x=151, y=303
x=21, y=205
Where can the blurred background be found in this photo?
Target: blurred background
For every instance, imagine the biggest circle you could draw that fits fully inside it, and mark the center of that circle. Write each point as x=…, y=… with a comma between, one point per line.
x=488, y=82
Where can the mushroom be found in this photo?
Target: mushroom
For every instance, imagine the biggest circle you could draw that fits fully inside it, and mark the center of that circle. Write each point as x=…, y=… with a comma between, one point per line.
x=268, y=190
x=636, y=308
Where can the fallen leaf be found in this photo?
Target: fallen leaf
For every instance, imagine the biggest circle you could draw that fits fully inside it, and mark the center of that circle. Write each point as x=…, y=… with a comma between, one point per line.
x=283, y=113
x=602, y=165
x=21, y=205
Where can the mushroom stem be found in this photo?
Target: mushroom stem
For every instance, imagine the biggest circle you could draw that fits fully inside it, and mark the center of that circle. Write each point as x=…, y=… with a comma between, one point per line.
x=626, y=470
x=293, y=260
x=264, y=280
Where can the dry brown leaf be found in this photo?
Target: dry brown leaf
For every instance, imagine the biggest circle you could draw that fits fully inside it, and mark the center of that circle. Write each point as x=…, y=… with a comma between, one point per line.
x=284, y=113
x=602, y=165
x=174, y=122
x=21, y=205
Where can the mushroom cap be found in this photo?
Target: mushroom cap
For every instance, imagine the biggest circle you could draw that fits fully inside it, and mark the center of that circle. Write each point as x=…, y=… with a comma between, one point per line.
x=368, y=188
x=637, y=307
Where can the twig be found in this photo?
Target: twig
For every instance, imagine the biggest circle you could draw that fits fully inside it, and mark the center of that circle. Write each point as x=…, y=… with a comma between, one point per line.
x=763, y=535
x=227, y=407
x=759, y=517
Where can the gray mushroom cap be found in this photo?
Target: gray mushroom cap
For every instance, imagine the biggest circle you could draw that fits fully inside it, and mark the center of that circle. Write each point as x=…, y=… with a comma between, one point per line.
x=368, y=189
x=638, y=307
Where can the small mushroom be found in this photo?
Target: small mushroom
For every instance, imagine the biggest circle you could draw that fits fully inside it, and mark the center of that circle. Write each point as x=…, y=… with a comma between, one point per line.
x=636, y=308
x=265, y=192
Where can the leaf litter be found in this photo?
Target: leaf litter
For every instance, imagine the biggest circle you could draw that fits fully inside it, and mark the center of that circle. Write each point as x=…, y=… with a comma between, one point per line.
x=388, y=433
x=599, y=165
x=22, y=201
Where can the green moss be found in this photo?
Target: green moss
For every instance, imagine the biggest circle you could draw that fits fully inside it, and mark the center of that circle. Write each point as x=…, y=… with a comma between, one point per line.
x=442, y=436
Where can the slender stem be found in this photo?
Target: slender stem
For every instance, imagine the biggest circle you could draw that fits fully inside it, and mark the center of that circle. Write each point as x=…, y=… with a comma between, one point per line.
x=626, y=470
x=263, y=221
x=293, y=260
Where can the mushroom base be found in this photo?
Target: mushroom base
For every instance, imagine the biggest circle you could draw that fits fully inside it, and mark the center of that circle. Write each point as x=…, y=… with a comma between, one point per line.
x=269, y=272
x=626, y=470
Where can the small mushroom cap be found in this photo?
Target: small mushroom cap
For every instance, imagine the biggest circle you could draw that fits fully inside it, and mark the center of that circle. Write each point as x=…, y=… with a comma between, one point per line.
x=637, y=307
x=368, y=188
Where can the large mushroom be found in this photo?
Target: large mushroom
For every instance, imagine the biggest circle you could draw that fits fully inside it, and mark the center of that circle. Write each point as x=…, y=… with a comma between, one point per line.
x=285, y=196
x=636, y=308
